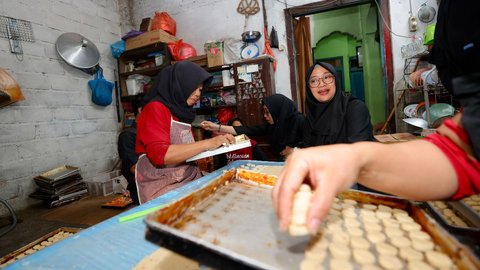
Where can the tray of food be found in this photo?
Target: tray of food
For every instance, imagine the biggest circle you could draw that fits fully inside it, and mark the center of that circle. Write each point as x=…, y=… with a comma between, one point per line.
x=230, y=224
x=453, y=215
x=473, y=202
x=39, y=244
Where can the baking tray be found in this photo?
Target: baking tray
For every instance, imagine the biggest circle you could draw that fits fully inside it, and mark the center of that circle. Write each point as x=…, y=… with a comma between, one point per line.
x=469, y=236
x=59, y=173
x=230, y=224
x=23, y=250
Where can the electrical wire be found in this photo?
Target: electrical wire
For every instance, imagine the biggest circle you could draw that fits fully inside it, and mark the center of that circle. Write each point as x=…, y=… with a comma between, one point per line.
x=14, y=217
x=285, y=2
x=385, y=22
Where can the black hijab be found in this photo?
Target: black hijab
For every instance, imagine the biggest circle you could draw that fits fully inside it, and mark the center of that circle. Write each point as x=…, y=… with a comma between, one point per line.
x=326, y=122
x=287, y=120
x=174, y=84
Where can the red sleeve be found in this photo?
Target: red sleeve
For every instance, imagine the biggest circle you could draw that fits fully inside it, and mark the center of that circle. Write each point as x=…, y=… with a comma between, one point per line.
x=153, y=132
x=466, y=167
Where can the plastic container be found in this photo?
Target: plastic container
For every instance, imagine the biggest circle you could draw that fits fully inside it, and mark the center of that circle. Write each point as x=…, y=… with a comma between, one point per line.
x=102, y=184
x=134, y=86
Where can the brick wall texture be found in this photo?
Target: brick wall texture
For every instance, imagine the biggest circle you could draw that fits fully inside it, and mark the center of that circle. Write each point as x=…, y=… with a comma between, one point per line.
x=57, y=123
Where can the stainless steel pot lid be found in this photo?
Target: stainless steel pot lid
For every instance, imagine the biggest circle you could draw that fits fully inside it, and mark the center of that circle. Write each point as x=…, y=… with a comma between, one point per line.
x=77, y=50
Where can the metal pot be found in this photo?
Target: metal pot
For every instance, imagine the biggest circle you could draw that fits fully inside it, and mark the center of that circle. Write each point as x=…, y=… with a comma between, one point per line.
x=251, y=36
x=78, y=51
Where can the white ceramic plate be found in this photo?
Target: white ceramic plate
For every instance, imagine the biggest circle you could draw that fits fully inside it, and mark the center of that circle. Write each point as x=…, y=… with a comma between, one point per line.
x=410, y=110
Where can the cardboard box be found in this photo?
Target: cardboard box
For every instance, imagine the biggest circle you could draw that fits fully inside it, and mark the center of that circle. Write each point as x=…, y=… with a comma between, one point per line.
x=214, y=51
x=148, y=38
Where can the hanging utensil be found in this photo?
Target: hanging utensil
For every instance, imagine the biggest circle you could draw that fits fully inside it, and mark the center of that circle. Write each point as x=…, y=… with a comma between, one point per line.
x=78, y=52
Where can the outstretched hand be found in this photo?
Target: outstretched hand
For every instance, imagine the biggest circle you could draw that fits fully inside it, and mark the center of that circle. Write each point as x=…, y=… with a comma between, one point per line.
x=328, y=169
x=210, y=126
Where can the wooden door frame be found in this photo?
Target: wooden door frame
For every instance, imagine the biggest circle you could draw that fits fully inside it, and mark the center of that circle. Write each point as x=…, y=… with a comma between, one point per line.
x=327, y=5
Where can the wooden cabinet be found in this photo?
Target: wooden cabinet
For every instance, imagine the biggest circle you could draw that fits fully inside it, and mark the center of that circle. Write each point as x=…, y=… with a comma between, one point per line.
x=254, y=80
x=146, y=61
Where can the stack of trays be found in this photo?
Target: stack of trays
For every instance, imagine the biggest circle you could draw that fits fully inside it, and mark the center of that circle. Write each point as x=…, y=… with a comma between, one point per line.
x=59, y=186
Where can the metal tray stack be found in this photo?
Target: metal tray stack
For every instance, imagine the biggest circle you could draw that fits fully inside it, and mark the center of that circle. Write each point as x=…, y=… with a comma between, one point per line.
x=59, y=186
x=230, y=224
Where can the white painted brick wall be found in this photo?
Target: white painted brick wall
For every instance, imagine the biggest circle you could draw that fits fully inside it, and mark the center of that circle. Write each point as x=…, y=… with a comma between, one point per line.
x=57, y=124
x=199, y=21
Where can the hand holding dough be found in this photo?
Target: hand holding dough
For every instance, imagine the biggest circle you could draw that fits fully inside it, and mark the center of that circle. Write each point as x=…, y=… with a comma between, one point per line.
x=298, y=222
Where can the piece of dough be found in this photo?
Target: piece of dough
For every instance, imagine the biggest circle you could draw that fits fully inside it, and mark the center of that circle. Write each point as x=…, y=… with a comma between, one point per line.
x=416, y=265
x=393, y=232
x=341, y=238
x=359, y=243
x=386, y=249
x=422, y=245
x=301, y=203
x=340, y=251
x=420, y=235
x=372, y=227
x=390, y=262
x=351, y=222
x=410, y=254
x=411, y=226
x=340, y=264
x=438, y=259
x=349, y=201
x=400, y=242
x=369, y=206
x=363, y=256
x=375, y=237
x=354, y=231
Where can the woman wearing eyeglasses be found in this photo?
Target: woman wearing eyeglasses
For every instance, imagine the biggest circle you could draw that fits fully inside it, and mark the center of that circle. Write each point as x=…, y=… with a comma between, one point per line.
x=332, y=116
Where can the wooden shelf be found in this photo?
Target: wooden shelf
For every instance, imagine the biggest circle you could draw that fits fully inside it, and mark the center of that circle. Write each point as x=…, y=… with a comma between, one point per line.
x=219, y=68
x=218, y=88
x=153, y=71
x=209, y=109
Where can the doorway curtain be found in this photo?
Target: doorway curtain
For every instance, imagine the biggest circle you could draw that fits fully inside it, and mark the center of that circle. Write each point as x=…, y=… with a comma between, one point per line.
x=303, y=46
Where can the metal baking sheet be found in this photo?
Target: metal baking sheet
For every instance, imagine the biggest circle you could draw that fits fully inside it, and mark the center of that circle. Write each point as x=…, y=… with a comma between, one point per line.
x=230, y=224
x=59, y=173
x=12, y=255
x=467, y=216
x=469, y=236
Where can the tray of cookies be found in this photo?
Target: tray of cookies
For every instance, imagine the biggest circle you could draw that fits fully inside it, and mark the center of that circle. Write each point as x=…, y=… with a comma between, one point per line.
x=230, y=223
x=39, y=244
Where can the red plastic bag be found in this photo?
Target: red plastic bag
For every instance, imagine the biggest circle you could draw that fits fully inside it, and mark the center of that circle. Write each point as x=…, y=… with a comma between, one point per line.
x=181, y=50
x=163, y=21
x=225, y=114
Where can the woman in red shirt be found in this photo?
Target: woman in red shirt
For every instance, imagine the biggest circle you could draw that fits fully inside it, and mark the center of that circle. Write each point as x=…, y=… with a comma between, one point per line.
x=164, y=136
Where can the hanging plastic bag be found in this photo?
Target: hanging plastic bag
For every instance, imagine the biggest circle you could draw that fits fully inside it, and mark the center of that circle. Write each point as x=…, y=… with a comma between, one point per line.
x=181, y=50
x=273, y=38
x=117, y=48
x=163, y=21
x=101, y=89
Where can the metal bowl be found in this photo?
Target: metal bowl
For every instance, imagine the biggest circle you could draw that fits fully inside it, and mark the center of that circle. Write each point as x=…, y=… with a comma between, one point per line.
x=251, y=36
x=418, y=122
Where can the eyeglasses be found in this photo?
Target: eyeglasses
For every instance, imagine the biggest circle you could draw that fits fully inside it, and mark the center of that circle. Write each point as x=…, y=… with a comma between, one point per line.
x=326, y=79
